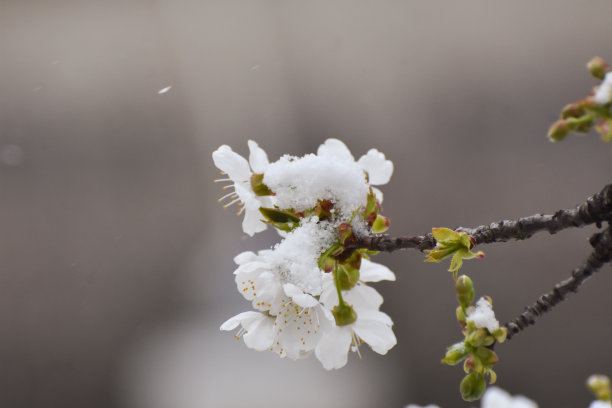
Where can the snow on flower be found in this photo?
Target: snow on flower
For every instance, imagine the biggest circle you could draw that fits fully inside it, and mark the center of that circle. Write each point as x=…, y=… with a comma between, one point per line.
x=293, y=295
x=483, y=316
x=600, y=404
x=239, y=174
x=603, y=95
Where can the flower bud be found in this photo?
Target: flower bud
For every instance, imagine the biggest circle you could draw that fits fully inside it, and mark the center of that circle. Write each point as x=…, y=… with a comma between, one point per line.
x=465, y=291
x=559, y=130
x=582, y=124
x=460, y=316
x=598, y=67
x=500, y=334
x=455, y=354
x=477, y=338
x=600, y=386
x=486, y=356
x=573, y=110
x=473, y=386
x=323, y=209
x=380, y=224
x=344, y=314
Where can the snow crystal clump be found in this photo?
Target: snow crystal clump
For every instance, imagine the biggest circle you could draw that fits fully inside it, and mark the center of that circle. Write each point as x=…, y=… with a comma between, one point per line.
x=483, y=316
x=298, y=254
x=300, y=182
x=603, y=95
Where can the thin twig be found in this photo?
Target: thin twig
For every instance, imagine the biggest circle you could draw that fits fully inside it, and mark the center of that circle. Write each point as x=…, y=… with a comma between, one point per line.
x=595, y=210
x=602, y=253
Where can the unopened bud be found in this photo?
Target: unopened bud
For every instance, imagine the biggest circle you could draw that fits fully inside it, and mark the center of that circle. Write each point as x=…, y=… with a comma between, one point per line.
x=460, y=316
x=486, y=356
x=582, y=124
x=345, y=231
x=455, y=354
x=600, y=386
x=465, y=291
x=473, y=386
x=559, y=130
x=573, y=110
x=380, y=224
x=598, y=67
x=500, y=334
x=605, y=128
x=477, y=338
x=344, y=314
x=323, y=209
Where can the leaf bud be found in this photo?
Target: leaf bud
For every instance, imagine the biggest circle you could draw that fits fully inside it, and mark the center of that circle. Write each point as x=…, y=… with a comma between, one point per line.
x=473, y=386
x=455, y=354
x=598, y=67
x=465, y=291
x=559, y=130
x=380, y=224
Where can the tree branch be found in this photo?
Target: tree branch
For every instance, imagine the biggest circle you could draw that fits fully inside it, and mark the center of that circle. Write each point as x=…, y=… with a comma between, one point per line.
x=602, y=253
x=595, y=210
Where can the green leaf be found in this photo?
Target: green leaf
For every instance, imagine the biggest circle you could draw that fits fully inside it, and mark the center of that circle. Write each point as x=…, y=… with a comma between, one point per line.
x=278, y=216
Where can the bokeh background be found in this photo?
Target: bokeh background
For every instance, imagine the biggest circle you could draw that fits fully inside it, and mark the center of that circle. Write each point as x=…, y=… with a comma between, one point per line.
x=116, y=259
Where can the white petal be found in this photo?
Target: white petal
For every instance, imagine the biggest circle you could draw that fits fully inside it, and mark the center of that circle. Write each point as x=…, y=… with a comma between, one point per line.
x=245, y=257
x=377, y=334
x=379, y=169
x=374, y=272
x=329, y=294
x=378, y=194
x=298, y=296
x=334, y=148
x=332, y=350
x=252, y=218
x=259, y=334
x=363, y=297
x=233, y=322
x=236, y=166
x=257, y=158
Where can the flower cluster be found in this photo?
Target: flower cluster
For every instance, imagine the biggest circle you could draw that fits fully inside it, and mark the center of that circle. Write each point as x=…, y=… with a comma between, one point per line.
x=310, y=292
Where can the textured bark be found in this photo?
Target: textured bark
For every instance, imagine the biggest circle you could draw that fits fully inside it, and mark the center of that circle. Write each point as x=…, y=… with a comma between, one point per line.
x=595, y=210
x=602, y=253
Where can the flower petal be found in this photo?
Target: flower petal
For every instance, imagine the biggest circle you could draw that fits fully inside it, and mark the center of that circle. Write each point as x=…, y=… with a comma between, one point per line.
x=374, y=272
x=376, y=333
x=244, y=317
x=259, y=333
x=252, y=223
x=334, y=148
x=298, y=296
x=363, y=297
x=258, y=159
x=378, y=194
x=378, y=167
x=332, y=350
x=245, y=257
x=236, y=166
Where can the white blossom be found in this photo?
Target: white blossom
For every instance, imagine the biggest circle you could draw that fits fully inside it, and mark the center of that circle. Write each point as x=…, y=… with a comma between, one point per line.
x=239, y=173
x=600, y=404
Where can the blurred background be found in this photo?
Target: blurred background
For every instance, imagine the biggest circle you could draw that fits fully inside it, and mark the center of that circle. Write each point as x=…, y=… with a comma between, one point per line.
x=117, y=259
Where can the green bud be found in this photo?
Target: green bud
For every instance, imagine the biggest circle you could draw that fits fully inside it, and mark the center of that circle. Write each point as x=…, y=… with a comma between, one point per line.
x=372, y=205
x=598, y=67
x=347, y=277
x=477, y=338
x=473, y=386
x=500, y=334
x=573, y=110
x=465, y=291
x=455, y=354
x=323, y=209
x=380, y=224
x=582, y=124
x=600, y=386
x=460, y=315
x=486, y=356
x=605, y=128
x=345, y=231
x=344, y=314
x=559, y=130
x=258, y=186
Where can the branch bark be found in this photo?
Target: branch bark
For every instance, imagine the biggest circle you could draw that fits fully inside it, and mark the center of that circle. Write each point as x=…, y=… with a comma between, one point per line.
x=602, y=253
x=595, y=210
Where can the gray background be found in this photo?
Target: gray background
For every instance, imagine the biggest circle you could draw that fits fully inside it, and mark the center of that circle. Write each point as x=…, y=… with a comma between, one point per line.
x=116, y=259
